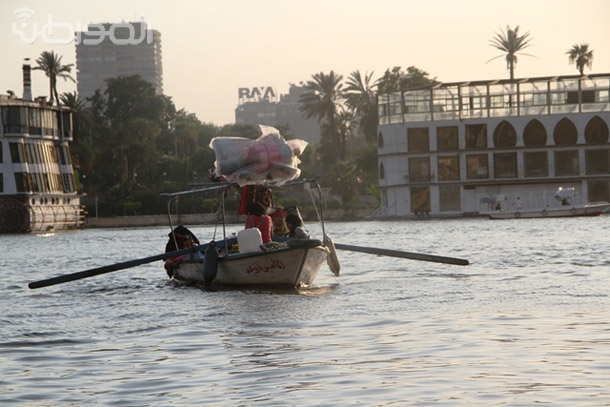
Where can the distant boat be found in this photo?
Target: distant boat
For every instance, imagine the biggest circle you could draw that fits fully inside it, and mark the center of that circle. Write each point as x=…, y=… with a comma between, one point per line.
x=568, y=207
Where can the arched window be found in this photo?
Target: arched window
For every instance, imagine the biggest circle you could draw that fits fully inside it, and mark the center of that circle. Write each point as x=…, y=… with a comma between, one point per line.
x=380, y=140
x=505, y=135
x=565, y=132
x=534, y=134
x=596, y=131
x=381, y=171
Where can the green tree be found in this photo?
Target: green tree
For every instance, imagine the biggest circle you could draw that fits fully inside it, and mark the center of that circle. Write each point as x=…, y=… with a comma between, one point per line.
x=128, y=97
x=343, y=181
x=51, y=64
x=395, y=80
x=511, y=43
x=361, y=98
x=582, y=56
x=322, y=101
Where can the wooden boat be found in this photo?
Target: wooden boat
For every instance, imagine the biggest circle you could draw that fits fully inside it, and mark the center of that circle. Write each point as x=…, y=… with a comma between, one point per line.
x=286, y=265
x=283, y=262
x=254, y=166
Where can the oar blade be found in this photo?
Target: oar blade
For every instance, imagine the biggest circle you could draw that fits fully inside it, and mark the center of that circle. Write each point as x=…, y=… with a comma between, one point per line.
x=403, y=255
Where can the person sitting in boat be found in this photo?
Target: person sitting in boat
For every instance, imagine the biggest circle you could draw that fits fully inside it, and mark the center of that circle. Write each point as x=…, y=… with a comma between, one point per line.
x=257, y=218
x=518, y=204
x=295, y=225
x=184, y=242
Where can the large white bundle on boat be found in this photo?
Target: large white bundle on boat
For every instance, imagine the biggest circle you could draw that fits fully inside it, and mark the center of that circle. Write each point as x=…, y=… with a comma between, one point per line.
x=269, y=158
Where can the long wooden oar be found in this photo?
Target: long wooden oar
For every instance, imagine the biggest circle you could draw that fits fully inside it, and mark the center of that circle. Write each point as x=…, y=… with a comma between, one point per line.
x=403, y=255
x=113, y=267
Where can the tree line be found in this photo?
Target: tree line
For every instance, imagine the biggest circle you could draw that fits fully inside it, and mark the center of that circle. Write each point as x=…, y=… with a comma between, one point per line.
x=130, y=144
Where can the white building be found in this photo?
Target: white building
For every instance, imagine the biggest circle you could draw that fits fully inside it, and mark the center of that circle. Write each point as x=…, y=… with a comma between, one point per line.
x=444, y=148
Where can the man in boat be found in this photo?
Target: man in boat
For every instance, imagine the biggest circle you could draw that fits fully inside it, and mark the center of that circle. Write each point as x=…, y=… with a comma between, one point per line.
x=257, y=218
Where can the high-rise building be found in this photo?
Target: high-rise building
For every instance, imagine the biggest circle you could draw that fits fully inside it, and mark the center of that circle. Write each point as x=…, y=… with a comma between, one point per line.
x=111, y=50
x=259, y=106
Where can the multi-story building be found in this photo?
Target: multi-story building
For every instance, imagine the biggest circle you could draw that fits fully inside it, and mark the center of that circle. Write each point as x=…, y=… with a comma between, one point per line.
x=285, y=112
x=443, y=149
x=110, y=50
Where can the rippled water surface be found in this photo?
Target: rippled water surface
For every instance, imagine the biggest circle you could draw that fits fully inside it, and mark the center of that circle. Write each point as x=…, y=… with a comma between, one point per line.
x=526, y=323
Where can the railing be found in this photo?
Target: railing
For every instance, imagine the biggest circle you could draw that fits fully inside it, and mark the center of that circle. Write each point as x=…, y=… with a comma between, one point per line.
x=484, y=99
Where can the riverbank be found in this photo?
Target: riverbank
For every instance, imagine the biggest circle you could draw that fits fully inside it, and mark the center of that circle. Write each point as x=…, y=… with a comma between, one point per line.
x=208, y=219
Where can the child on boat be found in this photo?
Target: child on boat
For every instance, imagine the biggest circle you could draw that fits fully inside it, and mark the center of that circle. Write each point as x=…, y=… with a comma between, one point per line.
x=295, y=225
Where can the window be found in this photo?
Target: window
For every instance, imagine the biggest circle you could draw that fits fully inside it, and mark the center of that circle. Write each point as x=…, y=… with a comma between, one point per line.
x=536, y=164
x=449, y=168
x=420, y=200
x=447, y=138
x=597, y=161
x=418, y=140
x=449, y=198
x=381, y=171
x=505, y=165
x=565, y=133
x=419, y=169
x=476, y=136
x=380, y=140
x=534, y=134
x=596, y=131
x=566, y=163
x=505, y=135
x=599, y=191
x=14, y=119
x=17, y=153
x=477, y=166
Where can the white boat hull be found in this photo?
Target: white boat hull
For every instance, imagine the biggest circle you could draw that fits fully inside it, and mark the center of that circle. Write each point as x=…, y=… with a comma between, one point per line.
x=594, y=209
x=286, y=267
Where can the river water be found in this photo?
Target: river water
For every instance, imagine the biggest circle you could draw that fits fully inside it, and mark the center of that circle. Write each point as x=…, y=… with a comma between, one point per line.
x=526, y=323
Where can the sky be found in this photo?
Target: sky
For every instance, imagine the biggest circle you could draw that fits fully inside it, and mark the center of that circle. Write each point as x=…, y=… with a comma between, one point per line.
x=212, y=48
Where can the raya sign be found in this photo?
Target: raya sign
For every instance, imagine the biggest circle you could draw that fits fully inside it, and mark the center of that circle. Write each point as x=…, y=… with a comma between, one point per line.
x=256, y=93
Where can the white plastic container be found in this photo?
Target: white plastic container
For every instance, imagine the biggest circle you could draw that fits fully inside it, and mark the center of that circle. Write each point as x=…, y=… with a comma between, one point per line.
x=249, y=240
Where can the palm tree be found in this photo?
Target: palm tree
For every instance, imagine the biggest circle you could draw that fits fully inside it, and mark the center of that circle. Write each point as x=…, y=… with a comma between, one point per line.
x=582, y=56
x=71, y=100
x=511, y=43
x=50, y=63
x=322, y=101
x=360, y=96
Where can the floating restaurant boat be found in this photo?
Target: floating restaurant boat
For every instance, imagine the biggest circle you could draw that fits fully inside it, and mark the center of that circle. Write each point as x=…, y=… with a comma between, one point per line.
x=37, y=188
x=444, y=146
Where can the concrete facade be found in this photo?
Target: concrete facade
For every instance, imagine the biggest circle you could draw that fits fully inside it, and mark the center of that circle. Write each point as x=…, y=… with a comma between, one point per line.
x=125, y=49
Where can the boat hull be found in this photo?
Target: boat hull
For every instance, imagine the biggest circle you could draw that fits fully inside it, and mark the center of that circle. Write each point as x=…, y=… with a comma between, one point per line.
x=585, y=210
x=286, y=267
x=40, y=214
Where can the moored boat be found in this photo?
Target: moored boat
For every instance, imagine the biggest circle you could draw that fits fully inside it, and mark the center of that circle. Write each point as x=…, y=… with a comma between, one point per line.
x=567, y=206
x=37, y=188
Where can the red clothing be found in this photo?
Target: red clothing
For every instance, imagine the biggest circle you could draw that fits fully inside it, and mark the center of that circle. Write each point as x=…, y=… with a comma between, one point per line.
x=263, y=223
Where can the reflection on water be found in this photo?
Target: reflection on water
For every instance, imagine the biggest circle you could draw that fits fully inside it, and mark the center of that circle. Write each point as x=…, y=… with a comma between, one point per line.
x=524, y=324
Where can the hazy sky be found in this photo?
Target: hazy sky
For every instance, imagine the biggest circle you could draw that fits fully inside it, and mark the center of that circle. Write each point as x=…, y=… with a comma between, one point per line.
x=212, y=48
